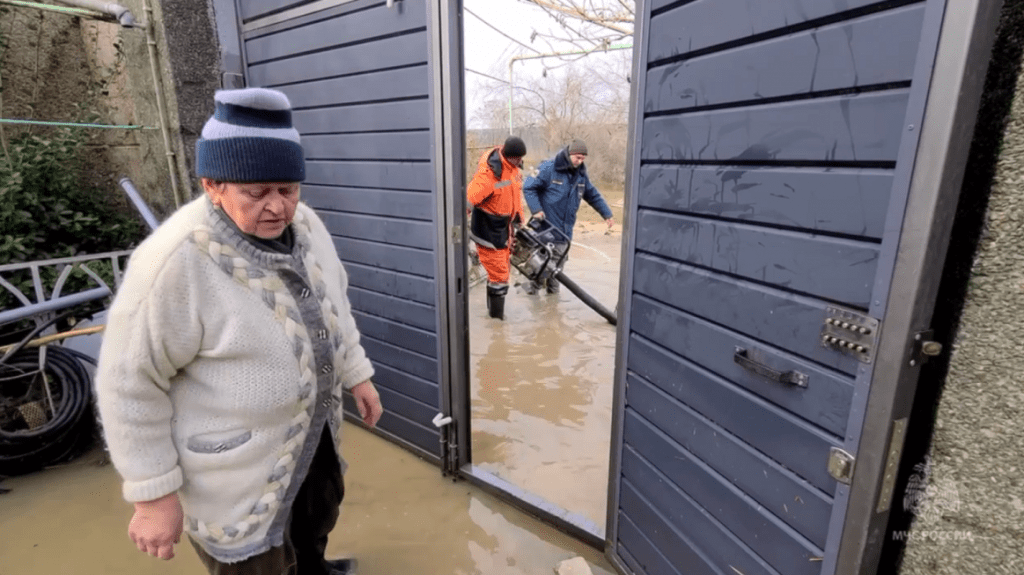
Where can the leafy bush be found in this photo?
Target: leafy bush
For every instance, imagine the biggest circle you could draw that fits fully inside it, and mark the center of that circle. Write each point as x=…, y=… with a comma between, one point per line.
x=46, y=213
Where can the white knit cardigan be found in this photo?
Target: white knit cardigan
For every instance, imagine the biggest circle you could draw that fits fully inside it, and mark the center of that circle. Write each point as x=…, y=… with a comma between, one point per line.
x=221, y=363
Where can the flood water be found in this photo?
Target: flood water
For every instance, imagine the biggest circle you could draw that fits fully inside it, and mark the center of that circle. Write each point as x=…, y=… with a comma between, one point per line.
x=399, y=516
x=542, y=380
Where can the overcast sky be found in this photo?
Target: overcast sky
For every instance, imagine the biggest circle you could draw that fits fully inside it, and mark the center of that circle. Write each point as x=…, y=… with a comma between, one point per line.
x=488, y=52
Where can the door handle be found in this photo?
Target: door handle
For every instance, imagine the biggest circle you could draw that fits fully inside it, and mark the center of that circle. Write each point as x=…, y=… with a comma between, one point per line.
x=791, y=377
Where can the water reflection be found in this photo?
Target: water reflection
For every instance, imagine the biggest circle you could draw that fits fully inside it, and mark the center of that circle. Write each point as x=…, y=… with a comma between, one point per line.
x=542, y=381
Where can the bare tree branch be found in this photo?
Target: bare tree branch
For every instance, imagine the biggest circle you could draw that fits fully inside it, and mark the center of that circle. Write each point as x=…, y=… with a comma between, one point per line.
x=615, y=20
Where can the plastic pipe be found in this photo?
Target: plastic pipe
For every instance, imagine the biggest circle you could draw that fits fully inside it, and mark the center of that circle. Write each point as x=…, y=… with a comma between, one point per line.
x=122, y=14
x=161, y=105
x=586, y=298
x=140, y=204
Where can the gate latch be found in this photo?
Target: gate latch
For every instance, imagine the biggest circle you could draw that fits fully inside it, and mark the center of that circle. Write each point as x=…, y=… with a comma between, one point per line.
x=924, y=348
x=840, y=465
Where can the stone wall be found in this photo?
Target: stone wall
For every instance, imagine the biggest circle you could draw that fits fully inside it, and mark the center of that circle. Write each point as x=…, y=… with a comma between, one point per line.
x=57, y=67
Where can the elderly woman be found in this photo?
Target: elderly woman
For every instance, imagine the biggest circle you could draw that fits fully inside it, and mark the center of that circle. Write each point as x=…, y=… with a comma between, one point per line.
x=226, y=352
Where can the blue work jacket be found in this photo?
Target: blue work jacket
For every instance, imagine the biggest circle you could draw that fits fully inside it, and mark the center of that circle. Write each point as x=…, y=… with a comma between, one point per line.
x=558, y=190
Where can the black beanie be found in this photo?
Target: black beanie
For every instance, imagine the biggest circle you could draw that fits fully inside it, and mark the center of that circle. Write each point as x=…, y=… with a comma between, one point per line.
x=577, y=147
x=514, y=147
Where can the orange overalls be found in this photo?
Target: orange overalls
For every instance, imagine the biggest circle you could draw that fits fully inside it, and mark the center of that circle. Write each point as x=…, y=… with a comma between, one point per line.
x=496, y=196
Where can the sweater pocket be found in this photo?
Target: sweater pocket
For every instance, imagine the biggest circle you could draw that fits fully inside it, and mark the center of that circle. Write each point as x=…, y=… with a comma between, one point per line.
x=218, y=441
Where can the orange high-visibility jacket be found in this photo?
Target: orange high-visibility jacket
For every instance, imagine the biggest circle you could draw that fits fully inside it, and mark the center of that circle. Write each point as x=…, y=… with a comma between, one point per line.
x=496, y=193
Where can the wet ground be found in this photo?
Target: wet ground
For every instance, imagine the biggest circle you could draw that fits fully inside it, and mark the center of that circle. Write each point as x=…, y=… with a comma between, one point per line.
x=542, y=379
x=399, y=516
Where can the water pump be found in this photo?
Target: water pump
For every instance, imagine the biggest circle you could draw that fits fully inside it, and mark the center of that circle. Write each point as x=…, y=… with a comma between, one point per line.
x=539, y=252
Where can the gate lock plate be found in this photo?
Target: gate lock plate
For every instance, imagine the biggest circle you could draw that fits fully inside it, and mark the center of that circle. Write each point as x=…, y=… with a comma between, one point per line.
x=850, y=332
x=924, y=348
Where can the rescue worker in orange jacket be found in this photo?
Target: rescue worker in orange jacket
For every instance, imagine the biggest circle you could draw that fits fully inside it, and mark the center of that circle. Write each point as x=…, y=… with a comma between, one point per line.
x=496, y=196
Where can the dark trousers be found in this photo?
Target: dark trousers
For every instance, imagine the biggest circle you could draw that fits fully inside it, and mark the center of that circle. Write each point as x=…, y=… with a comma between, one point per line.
x=313, y=516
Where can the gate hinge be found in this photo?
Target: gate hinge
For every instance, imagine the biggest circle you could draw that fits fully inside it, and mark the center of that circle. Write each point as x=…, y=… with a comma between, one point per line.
x=456, y=234
x=892, y=462
x=924, y=348
x=840, y=465
x=449, y=445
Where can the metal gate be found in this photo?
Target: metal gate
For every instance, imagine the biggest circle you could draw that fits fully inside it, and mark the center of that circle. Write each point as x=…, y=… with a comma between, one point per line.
x=364, y=81
x=796, y=171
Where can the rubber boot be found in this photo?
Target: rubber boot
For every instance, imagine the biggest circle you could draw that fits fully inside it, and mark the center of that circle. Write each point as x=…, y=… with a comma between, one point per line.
x=496, y=301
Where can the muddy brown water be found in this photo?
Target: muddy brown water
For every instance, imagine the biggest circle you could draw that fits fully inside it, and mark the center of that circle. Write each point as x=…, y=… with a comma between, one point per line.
x=542, y=381
x=399, y=516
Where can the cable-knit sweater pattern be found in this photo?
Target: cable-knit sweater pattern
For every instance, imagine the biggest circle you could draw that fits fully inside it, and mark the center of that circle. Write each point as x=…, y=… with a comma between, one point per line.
x=221, y=363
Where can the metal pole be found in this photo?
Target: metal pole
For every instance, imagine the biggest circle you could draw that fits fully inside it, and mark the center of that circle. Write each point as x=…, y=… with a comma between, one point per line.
x=19, y=313
x=513, y=59
x=139, y=203
x=510, y=88
x=161, y=106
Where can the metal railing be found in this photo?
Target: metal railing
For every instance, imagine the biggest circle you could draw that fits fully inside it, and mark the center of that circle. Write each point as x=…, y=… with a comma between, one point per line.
x=42, y=303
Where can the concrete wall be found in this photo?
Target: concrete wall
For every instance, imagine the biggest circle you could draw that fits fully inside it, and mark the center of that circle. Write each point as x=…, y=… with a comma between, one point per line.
x=971, y=516
x=59, y=68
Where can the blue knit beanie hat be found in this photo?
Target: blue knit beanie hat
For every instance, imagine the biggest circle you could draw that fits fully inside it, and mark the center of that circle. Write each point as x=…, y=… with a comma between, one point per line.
x=250, y=138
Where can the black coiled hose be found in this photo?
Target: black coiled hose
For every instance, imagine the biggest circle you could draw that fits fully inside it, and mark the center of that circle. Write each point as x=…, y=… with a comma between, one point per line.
x=70, y=424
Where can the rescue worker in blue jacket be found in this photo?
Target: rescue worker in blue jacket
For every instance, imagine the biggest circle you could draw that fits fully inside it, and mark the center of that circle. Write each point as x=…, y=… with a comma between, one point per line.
x=556, y=192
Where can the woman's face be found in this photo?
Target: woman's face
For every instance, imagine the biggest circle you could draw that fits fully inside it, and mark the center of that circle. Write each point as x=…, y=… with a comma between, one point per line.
x=262, y=209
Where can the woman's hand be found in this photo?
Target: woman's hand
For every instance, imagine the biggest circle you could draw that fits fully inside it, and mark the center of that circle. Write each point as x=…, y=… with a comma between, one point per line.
x=156, y=526
x=368, y=402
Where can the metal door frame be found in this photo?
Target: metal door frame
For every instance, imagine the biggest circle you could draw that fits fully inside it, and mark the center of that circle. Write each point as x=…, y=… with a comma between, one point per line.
x=949, y=114
x=957, y=81
x=638, y=95
x=457, y=404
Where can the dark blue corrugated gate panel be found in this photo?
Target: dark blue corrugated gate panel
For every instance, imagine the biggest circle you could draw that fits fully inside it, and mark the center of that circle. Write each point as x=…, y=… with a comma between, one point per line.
x=792, y=442
x=769, y=137
x=793, y=499
x=396, y=309
x=765, y=313
x=835, y=269
x=687, y=516
x=390, y=146
x=391, y=231
x=387, y=282
x=705, y=23
x=384, y=256
x=358, y=78
x=402, y=50
x=843, y=201
x=388, y=84
x=378, y=116
x=251, y=9
x=864, y=128
x=367, y=174
x=397, y=204
x=876, y=49
x=418, y=340
x=357, y=27
x=764, y=533
x=825, y=401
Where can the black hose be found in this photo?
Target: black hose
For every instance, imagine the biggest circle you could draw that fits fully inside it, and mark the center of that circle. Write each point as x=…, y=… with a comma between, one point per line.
x=70, y=427
x=586, y=298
